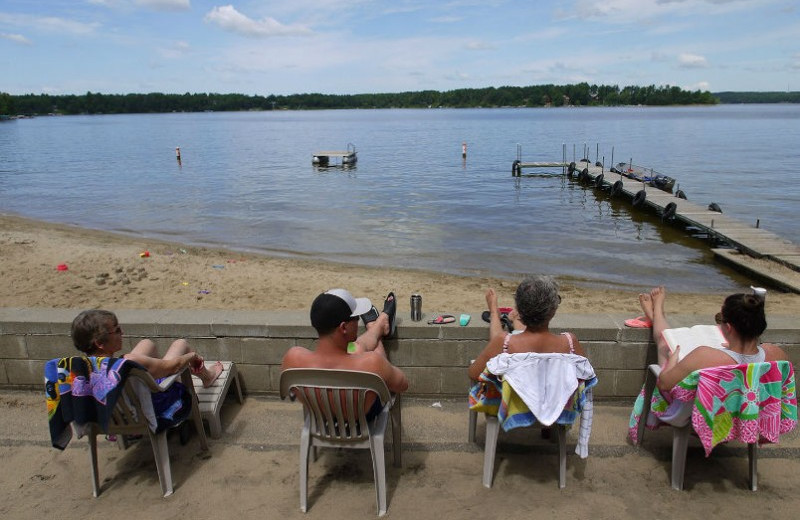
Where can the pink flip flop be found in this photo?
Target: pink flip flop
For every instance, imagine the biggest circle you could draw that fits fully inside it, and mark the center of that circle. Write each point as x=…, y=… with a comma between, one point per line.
x=642, y=322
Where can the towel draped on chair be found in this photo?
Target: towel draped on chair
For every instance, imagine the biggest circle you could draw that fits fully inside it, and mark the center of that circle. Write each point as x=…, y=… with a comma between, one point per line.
x=751, y=403
x=545, y=388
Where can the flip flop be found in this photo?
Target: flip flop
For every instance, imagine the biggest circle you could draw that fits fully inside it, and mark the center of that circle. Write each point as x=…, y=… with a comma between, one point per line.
x=441, y=319
x=390, y=308
x=370, y=315
x=487, y=317
x=641, y=322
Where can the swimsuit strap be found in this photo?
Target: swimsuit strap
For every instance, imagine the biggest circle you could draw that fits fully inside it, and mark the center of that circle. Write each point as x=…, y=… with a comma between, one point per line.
x=569, y=339
x=505, y=343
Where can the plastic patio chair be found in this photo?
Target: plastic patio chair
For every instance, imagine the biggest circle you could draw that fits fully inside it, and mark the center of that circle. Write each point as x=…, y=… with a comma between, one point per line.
x=682, y=421
x=334, y=417
x=490, y=446
x=129, y=417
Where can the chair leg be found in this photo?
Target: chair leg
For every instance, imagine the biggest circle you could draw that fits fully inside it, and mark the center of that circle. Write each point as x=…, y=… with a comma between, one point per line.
x=680, y=442
x=378, y=470
x=472, y=424
x=93, y=461
x=186, y=379
x=752, y=455
x=397, y=432
x=492, y=432
x=161, y=454
x=649, y=387
x=305, y=449
x=562, y=455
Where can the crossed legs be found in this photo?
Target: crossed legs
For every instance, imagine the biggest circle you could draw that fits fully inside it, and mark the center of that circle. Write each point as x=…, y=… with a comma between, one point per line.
x=179, y=348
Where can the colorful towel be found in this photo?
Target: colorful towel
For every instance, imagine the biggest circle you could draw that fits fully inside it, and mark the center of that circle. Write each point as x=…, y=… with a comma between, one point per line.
x=490, y=396
x=750, y=403
x=84, y=390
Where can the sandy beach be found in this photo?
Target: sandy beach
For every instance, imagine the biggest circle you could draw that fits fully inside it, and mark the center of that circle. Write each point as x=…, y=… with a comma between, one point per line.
x=107, y=270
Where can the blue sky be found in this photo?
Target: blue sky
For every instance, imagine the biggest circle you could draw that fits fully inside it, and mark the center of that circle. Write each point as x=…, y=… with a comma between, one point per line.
x=360, y=46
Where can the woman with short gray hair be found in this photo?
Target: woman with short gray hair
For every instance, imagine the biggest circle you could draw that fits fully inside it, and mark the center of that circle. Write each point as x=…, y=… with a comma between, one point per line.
x=537, y=300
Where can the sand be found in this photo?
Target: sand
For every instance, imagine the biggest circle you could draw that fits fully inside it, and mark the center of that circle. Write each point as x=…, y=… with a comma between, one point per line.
x=253, y=471
x=107, y=270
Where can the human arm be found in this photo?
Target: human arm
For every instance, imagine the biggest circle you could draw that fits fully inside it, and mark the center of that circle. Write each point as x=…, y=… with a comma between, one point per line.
x=495, y=326
x=492, y=348
x=396, y=381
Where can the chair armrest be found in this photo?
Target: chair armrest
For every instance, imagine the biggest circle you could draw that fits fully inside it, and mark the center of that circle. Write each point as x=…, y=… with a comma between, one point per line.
x=168, y=381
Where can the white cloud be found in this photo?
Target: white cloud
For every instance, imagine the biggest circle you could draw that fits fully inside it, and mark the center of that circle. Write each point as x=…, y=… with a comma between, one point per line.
x=48, y=23
x=229, y=19
x=18, y=38
x=476, y=45
x=165, y=5
x=700, y=85
x=177, y=51
x=692, y=61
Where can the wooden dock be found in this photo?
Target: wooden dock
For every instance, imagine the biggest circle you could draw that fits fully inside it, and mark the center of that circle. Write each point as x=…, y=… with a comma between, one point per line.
x=757, y=251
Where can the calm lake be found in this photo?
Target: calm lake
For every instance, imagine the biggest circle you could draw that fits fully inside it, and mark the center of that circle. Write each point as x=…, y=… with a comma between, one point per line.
x=246, y=182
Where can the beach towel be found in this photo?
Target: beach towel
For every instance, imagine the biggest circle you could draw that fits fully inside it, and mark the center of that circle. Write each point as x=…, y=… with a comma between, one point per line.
x=750, y=403
x=498, y=397
x=83, y=390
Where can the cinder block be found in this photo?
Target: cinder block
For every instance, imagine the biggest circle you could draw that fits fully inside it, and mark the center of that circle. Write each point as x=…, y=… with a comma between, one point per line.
x=617, y=355
x=605, y=384
x=25, y=372
x=48, y=347
x=455, y=382
x=254, y=378
x=12, y=346
x=628, y=382
x=424, y=380
x=4, y=375
x=261, y=351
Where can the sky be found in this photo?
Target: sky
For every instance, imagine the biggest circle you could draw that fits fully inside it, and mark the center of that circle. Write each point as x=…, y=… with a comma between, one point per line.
x=369, y=46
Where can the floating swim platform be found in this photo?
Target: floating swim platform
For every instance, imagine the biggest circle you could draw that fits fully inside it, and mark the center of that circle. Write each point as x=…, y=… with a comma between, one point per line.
x=344, y=157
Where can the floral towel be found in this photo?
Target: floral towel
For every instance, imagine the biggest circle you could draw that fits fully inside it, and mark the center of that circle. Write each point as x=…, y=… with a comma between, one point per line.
x=750, y=403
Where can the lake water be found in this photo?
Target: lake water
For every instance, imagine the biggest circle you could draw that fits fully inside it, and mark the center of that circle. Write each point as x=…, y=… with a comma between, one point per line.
x=246, y=182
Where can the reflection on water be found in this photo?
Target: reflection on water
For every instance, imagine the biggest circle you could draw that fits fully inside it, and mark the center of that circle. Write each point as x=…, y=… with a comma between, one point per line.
x=245, y=181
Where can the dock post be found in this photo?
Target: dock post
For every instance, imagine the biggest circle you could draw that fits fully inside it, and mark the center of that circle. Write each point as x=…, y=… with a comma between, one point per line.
x=603, y=168
x=758, y=223
x=563, y=158
x=612, y=156
x=597, y=152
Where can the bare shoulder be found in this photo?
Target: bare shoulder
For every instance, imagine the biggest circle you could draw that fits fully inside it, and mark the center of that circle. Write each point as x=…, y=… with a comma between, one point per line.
x=774, y=353
x=295, y=357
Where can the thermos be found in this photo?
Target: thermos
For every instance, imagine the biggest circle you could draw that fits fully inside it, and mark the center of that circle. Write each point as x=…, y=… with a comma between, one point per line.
x=416, y=307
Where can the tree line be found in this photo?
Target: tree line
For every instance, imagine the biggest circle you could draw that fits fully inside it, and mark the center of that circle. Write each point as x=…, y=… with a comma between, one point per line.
x=581, y=94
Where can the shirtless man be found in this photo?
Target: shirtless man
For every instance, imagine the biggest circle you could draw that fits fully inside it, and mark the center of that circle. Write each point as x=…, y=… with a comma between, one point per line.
x=334, y=315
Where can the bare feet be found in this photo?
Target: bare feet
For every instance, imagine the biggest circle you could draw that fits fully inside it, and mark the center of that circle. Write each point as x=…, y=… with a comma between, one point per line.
x=646, y=302
x=209, y=375
x=382, y=324
x=658, y=295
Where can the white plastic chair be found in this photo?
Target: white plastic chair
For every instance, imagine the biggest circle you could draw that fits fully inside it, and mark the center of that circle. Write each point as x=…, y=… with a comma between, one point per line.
x=334, y=417
x=129, y=417
x=490, y=447
x=681, y=428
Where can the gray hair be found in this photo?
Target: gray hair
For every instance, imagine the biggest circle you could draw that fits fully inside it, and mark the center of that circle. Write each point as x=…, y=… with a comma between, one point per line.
x=537, y=300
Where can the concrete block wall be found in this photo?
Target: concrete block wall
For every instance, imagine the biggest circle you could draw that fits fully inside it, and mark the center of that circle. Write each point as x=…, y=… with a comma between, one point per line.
x=435, y=358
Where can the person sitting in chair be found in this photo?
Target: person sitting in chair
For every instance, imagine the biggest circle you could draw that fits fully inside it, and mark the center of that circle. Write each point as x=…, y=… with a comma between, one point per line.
x=536, y=300
x=335, y=315
x=741, y=321
x=98, y=333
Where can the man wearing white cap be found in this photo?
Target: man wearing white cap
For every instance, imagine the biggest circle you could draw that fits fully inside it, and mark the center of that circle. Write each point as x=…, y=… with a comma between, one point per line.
x=335, y=314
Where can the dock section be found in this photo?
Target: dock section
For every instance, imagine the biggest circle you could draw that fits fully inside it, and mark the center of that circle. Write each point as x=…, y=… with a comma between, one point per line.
x=757, y=251
x=335, y=157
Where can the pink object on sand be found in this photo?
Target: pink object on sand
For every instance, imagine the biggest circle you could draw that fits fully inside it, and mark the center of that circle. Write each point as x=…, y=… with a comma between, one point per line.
x=62, y=267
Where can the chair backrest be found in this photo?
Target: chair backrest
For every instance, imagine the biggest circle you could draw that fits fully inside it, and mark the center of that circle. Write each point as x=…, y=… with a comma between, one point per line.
x=751, y=403
x=134, y=408
x=333, y=400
